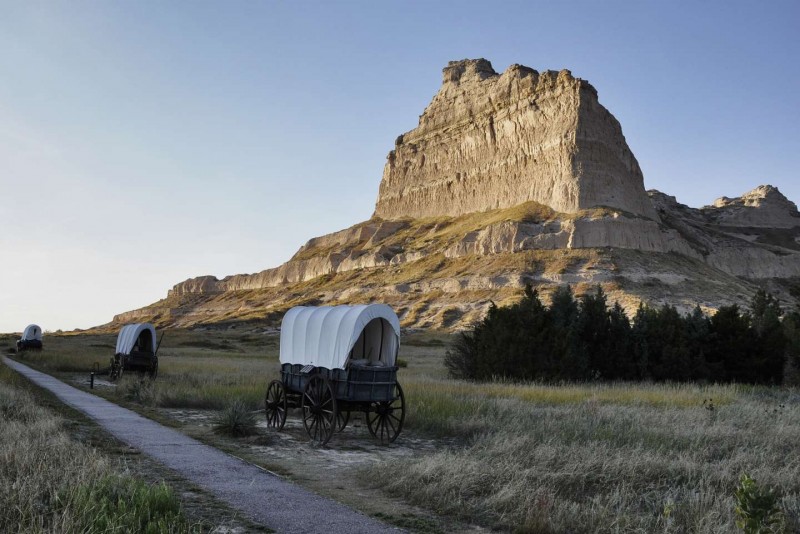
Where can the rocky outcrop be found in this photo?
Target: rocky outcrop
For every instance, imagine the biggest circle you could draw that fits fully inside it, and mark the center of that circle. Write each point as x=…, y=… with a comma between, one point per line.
x=490, y=140
x=578, y=233
x=754, y=236
x=509, y=179
x=764, y=207
x=379, y=243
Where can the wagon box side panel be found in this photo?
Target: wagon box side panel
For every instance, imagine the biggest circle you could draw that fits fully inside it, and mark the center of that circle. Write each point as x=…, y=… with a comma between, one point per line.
x=371, y=384
x=293, y=377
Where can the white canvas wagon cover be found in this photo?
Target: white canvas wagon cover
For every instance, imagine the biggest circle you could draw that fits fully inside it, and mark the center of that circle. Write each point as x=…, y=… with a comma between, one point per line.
x=327, y=336
x=32, y=332
x=130, y=334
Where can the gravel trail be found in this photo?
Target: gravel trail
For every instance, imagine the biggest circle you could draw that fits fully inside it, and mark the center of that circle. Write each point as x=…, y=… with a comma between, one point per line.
x=262, y=496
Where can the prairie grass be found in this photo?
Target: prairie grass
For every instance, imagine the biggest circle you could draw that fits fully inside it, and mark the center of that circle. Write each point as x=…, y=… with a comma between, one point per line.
x=122, y=504
x=437, y=402
x=142, y=390
x=52, y=483
x=598, y=458
x=203, y=370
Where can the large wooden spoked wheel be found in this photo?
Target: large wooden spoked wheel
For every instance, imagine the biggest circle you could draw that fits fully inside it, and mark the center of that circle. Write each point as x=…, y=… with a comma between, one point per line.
x=116, y=368
x=275, y=405
x=385, y=418
x=319, y=409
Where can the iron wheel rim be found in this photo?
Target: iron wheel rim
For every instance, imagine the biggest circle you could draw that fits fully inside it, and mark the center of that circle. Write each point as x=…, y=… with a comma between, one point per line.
x=319, y=409
x=385, y=418
x=275, y=405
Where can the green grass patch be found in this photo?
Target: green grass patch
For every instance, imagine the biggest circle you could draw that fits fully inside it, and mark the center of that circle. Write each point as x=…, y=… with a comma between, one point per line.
x=122, y=504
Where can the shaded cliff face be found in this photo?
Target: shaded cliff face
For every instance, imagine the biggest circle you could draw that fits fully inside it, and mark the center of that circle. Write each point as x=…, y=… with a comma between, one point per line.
x=490, y=140
x=755, y=236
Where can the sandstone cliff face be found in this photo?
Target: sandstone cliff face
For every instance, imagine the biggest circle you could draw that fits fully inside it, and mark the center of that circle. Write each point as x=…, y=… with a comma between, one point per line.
x=753, y=252
x=764, y=207
x=490, y=140
x=379, y=243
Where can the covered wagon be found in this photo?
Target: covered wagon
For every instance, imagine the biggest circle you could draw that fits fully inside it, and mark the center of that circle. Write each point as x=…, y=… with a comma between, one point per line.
x=31, y=338
x=336, y=360
x=136, y=350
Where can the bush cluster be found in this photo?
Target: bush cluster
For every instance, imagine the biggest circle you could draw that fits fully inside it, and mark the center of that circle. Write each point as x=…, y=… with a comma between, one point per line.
x=585, y=339
x=236, y=420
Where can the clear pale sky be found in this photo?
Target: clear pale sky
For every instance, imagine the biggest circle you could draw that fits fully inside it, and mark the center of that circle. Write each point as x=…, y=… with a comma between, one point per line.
x=143, y=143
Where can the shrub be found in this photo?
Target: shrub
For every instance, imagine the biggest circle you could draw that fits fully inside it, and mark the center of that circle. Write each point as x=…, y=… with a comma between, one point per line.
x=757, y=510
x=461, y=358
x=236, y=420
x=141, y=390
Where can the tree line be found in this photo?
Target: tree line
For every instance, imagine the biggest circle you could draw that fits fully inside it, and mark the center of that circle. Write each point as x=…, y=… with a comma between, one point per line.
x=586, y=339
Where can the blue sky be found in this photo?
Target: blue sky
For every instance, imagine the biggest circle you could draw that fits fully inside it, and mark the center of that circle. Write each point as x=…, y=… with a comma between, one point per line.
x=142, y=143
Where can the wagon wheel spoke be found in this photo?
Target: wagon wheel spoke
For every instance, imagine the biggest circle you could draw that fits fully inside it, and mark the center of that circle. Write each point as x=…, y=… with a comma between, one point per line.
x=342, y=418
x=325, y=424
x=389, y=422
x=309, y=417
x=275, y=404
x=371, y=417
x=319, y=409
x=315, y=426
x=385, y=419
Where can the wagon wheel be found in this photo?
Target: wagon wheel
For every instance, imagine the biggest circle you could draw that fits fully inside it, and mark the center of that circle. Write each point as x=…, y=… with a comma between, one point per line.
x=116, y=368
x=275, y=405
x=342, y=418
x=319, y=409
x=385, y=418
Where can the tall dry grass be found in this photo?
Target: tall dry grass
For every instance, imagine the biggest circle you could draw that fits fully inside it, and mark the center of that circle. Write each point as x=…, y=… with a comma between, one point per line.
x=598, y=458
x=201, y=370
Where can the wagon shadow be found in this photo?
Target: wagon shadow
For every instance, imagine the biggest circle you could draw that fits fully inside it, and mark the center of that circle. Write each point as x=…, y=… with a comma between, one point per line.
x=294, y=452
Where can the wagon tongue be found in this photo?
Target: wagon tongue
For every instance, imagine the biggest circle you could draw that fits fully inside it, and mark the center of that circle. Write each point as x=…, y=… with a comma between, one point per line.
x=159, y=343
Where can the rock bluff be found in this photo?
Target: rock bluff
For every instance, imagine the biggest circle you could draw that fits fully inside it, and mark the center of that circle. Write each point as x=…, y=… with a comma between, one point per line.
x=512, y=179
x=490, y=141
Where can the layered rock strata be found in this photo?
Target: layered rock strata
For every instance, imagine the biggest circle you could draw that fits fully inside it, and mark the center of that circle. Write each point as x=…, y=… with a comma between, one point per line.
x=490, y=140
x=769, y=250
x=755, y=236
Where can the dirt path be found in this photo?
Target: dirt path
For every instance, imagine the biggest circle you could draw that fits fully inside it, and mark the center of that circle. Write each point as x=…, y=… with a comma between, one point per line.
x=260, y=495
